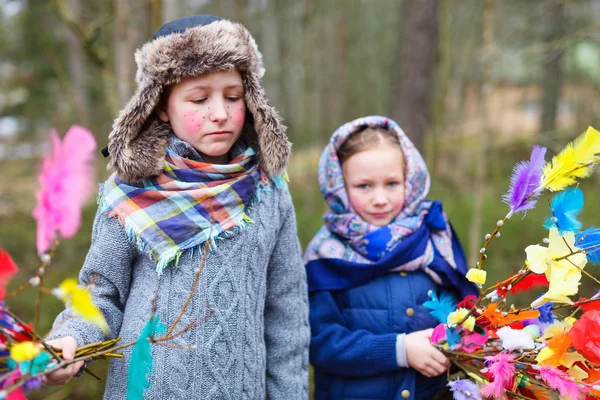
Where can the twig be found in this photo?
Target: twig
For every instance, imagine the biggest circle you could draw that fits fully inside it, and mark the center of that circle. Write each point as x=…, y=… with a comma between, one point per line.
x=189, y=298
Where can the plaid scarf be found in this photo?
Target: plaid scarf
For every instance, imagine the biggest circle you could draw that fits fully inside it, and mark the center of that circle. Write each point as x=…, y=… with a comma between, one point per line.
x=188, y=203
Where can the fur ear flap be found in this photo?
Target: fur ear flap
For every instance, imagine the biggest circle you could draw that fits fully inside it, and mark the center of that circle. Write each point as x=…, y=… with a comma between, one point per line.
x=138, y=141
x=274, y=146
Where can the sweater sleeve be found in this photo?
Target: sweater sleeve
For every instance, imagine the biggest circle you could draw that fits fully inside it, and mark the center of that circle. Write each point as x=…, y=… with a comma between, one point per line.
x=108, y=267
x=287, y=333
x=340, y=351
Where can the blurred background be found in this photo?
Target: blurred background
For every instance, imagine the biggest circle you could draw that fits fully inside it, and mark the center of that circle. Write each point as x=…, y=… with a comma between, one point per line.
x=474, y=83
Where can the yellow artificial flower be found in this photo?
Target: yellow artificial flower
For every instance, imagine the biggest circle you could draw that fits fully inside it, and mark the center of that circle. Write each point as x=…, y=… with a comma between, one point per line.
x=24, y=351
x=456, y=316
x=81, y=303
x=577, y=373
x=563, y=274
x=476, y=276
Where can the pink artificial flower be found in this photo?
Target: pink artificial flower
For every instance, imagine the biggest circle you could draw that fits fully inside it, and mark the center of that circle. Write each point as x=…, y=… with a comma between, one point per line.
x=67, y=179
x=439, y=333
x=474, y=341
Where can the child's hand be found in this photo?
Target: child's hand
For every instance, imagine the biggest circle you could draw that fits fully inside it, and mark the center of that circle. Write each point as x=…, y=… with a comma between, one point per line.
x=68, y=345
x=423, y=356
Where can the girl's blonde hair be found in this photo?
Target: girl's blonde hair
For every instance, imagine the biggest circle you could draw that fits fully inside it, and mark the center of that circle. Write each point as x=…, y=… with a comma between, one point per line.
x=367, y=139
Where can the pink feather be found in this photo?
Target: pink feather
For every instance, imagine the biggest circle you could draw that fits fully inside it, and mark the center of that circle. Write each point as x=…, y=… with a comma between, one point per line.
x=561, y=381
x=502, y=371
x=67, y=179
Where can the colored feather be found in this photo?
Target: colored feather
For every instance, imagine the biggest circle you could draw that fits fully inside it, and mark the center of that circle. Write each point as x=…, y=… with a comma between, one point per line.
x=442, y=307
x=140, y=365
x=590, y=239
x=497, y=319
x=66, y=181
x=7, y=269
x=575, y=161
x=81, y=303
x=588, y=305
x=529, y=282
x=565, y=207
x=502, y=370
x=525, y=179
x=464, y=389
x=562, y=382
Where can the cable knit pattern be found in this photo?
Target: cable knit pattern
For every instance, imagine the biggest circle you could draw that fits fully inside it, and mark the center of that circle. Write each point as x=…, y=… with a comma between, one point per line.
x=253, y=286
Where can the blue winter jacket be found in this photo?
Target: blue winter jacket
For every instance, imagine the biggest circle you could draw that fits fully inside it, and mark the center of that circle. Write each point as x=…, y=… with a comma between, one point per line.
x=353, y=346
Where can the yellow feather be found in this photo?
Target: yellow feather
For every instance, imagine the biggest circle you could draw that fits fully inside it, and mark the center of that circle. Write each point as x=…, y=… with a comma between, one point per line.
x=81, y=301
x=569, y=164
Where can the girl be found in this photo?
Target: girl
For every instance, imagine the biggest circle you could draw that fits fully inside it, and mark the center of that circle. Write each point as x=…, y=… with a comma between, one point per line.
x=382, y=249
x=199, y=155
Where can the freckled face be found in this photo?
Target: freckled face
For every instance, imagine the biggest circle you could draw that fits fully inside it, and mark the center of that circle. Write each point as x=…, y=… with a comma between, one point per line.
x=374, y=180
x=208, y=112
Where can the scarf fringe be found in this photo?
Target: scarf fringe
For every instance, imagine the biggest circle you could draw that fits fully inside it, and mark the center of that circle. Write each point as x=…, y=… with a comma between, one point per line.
x=164, y=260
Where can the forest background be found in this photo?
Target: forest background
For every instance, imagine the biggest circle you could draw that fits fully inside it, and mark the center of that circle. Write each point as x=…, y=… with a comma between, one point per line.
x=474, y=83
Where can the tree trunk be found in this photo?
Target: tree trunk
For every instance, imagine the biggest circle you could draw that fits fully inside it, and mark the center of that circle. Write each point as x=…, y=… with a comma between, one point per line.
x=77, y=68
x=417, y=66
x=132, y=27
x=479, y=189
x=442, y=84
x=552, y=67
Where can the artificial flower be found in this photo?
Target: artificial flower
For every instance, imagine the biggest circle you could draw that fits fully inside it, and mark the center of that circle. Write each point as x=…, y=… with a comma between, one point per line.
x=459, y=315
x=477, y=276
x=24, y=351
x=563, y=274
x=515, y=339
x=585, y=336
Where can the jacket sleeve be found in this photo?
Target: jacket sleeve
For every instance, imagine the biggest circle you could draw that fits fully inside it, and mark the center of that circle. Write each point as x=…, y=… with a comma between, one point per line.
x=287, y=332
x=340, y=351
x=108, y=267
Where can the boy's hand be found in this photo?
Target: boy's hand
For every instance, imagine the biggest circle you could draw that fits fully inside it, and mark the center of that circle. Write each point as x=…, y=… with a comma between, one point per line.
x=423, y=356
x=68, y=345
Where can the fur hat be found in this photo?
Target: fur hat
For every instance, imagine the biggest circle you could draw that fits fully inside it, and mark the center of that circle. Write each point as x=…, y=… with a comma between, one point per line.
x=184, y=48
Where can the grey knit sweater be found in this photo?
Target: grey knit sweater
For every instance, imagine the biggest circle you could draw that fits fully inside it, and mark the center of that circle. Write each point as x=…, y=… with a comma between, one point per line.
x=255, y=341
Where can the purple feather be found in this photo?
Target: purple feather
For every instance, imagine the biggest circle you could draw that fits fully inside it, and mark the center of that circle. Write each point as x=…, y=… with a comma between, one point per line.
x=32, y=384
x=524, y=180
x=464, y=389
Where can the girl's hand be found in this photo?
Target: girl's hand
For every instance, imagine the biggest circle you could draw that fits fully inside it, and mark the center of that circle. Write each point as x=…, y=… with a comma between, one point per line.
x=68, y=345
x=423, y=356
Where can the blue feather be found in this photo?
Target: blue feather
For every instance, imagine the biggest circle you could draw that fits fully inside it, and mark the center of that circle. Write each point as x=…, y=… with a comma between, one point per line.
x=452, y=337
x=565, y=207
x=140, y=365
x=590, y=239
x=442, y=307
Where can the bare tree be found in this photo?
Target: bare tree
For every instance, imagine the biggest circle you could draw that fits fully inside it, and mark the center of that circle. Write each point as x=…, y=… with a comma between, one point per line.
x=480, y=183
x=417, y=65
x=77, y=67
x=132, y=27
x=553, y=75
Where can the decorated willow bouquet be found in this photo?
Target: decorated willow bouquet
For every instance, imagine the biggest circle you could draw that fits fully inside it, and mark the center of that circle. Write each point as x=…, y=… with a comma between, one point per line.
x=551, y=347
x=66, y=180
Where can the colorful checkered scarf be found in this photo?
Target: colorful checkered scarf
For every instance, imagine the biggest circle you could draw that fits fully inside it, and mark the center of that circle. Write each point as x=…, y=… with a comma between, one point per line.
x=347, y=236
x=188, y=203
